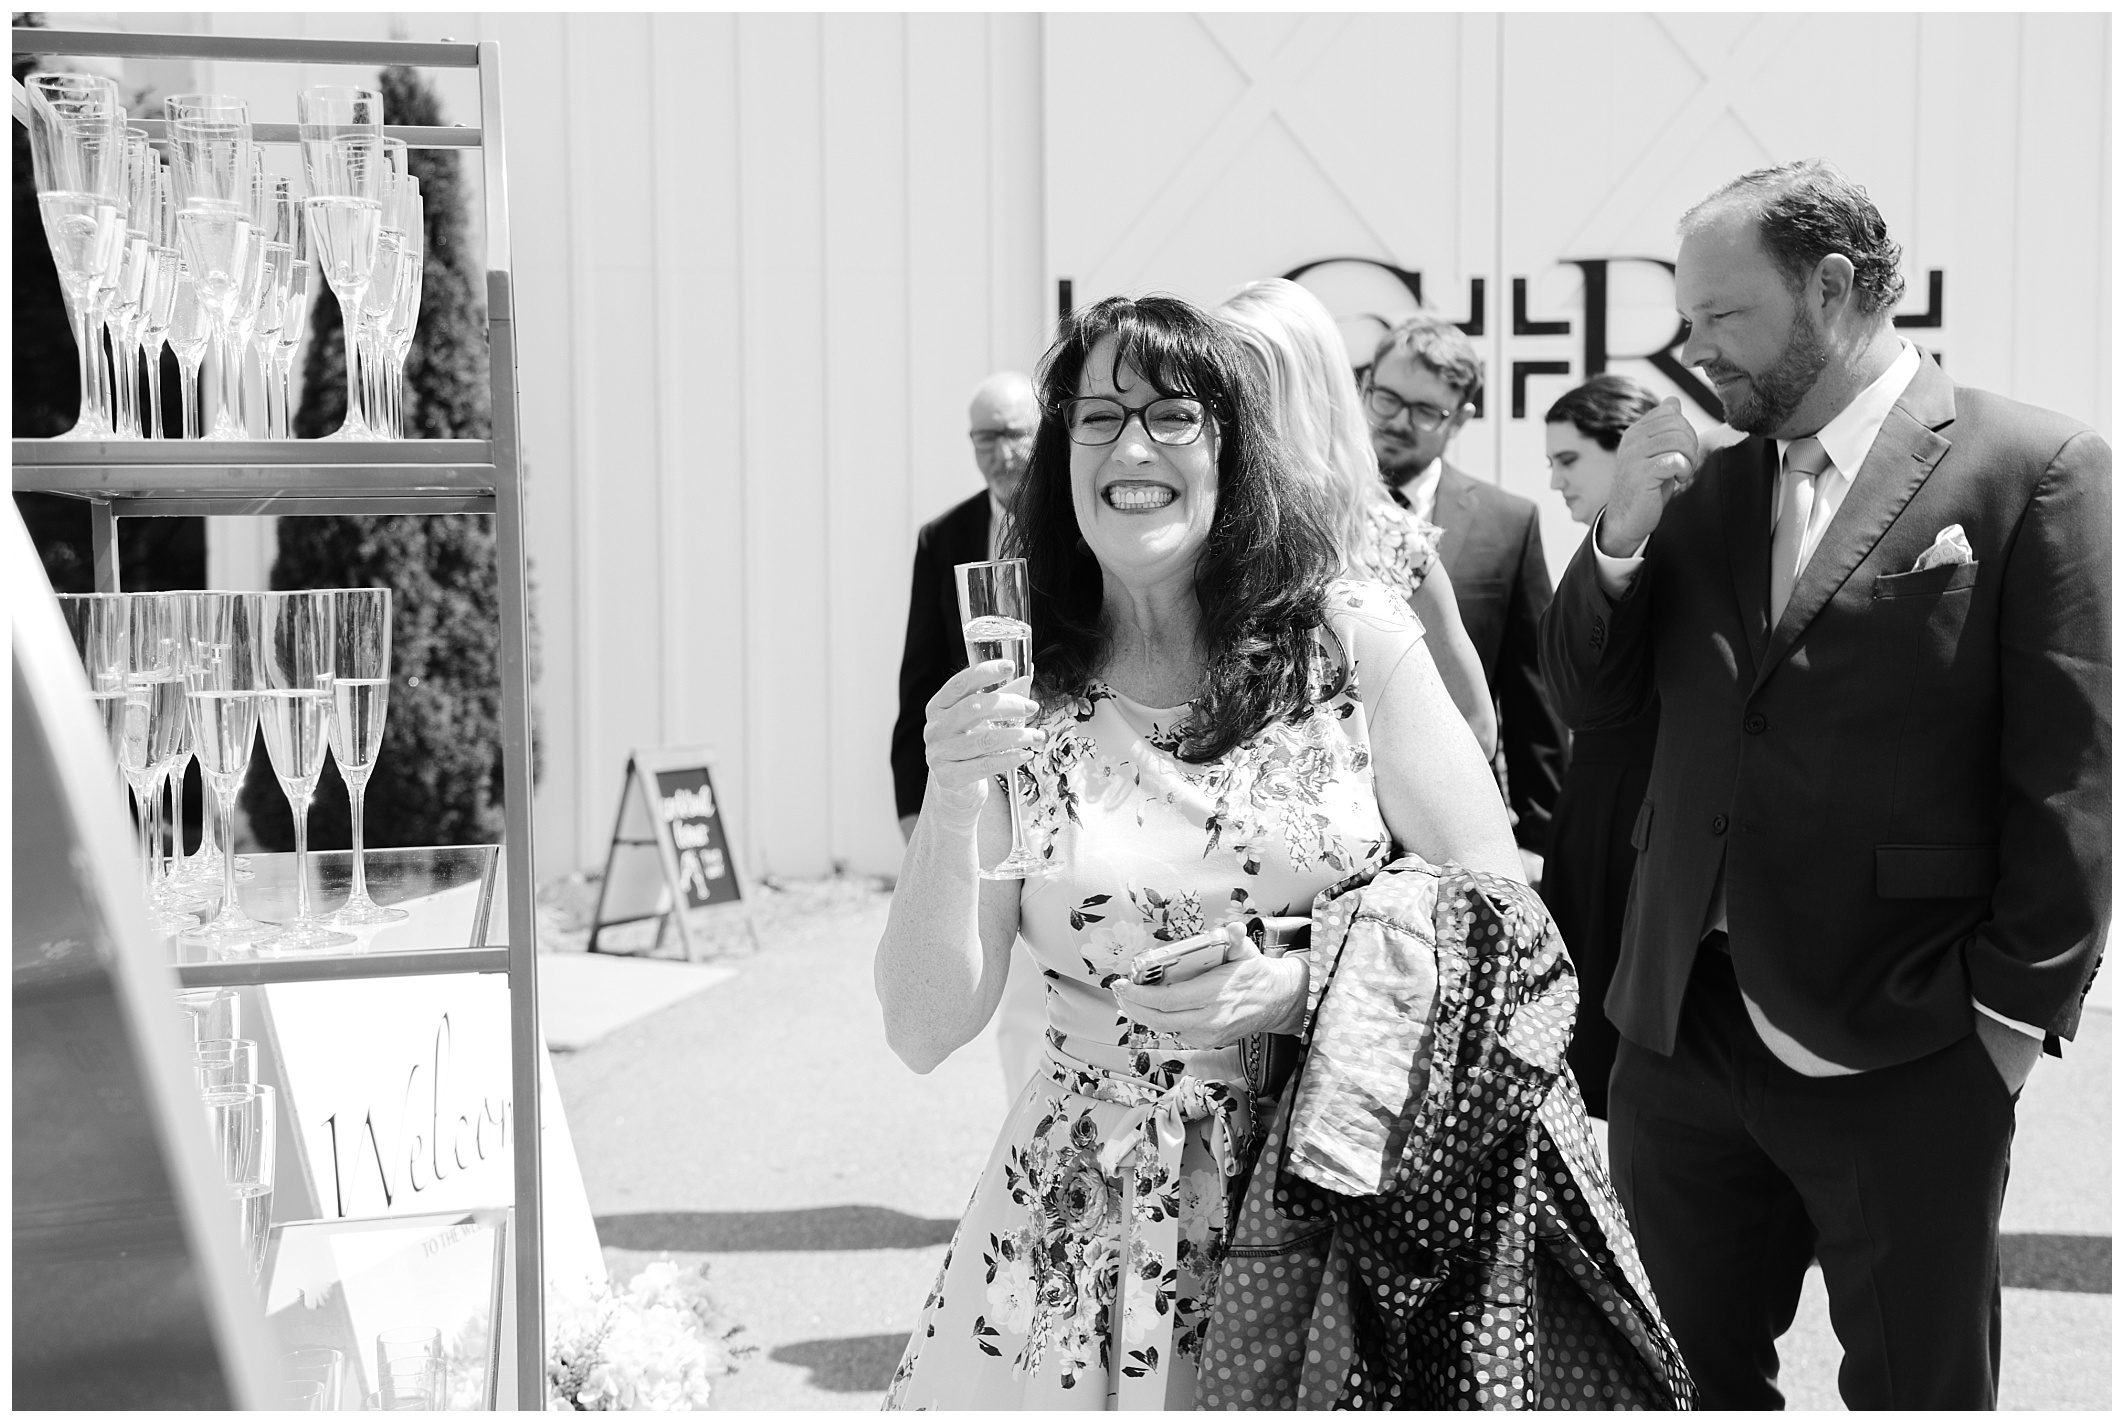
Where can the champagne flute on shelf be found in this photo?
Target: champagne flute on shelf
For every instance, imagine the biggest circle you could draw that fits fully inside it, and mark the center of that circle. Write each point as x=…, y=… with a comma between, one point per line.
x=211, y=1014
x=295, y=646
x=77, y=149
x=121, y=317
x=294, y=320
x=154, y=677
x=410, y=1371
x=361, y=689
x=241, y=1119
x=218, y=1063
x=995, y=610
x=344, y=161
x=190, y=329
x=382, y=294
x=223, y=701
x=321, y=1368
x=158, y=304
x=278, y=217
x=98, y=623
x=405, y=311
x=210, y=142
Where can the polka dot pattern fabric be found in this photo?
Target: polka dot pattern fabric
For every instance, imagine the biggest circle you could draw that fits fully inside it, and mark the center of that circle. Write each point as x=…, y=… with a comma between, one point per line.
x=1495, y=1270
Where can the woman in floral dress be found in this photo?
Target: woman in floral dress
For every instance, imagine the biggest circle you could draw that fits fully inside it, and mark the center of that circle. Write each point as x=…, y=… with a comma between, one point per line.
x=1319, y=417
x=1222, y=729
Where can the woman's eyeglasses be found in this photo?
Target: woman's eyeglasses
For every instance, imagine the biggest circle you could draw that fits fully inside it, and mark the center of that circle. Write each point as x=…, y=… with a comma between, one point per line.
x=1099, y=420
x=1385, y=408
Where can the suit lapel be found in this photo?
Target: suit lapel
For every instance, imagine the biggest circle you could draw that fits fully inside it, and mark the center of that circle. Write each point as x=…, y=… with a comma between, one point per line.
x=1744, y=488
x=1903, y=454
x=1452, y=511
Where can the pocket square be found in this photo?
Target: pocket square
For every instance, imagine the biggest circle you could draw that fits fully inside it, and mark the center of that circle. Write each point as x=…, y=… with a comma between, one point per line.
x=1950, y=546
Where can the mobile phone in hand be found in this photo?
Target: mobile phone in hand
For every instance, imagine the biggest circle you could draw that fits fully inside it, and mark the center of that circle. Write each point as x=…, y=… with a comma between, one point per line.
x=1180, y=960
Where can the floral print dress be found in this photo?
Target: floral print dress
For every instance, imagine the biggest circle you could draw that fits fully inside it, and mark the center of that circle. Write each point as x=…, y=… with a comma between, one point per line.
x=1082, y=1271
x=1396, y=547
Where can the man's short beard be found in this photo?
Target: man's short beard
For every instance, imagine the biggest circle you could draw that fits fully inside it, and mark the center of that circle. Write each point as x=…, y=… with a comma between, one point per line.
x=1773, y=395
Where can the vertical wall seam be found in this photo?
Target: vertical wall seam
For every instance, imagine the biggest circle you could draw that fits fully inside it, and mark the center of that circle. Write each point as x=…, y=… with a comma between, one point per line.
x=2013, y=243
x=669, y=657
x=835, y=634
x=754, y=860
x=583, y=507
x=1500, y=376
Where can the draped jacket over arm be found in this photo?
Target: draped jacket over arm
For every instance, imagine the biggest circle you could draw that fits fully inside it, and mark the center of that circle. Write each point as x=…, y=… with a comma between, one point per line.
x=1430, y=1225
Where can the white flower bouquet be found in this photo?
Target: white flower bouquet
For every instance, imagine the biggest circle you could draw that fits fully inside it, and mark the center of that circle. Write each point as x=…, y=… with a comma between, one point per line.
x=655, y=1343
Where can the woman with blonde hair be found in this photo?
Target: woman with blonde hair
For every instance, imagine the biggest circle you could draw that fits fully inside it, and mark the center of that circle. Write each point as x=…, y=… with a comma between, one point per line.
x=1317, y=411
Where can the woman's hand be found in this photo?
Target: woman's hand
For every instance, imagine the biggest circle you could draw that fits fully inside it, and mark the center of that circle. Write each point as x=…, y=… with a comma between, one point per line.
x=1248, y=993
x=976, y=730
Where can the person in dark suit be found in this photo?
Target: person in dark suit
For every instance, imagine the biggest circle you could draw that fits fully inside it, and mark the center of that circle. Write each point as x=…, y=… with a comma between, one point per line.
x=1420, y=389
x=1001, y=421
x=1874, y=856
x=1586, y=870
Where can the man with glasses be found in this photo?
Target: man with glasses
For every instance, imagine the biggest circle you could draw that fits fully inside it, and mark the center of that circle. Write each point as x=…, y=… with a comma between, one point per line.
x=1000, y=424
x=1424, y=380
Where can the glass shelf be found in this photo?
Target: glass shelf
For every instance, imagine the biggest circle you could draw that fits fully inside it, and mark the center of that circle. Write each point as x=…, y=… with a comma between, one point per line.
x=448, y=891
x=262, y=476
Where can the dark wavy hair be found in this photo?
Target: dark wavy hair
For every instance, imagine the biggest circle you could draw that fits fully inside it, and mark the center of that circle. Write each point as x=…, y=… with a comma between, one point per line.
x=1603, y=408
x=1262, y=575
x=1803, y=212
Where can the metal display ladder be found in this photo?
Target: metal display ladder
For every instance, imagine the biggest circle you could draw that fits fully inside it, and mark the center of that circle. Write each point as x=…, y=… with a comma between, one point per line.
x=174, y=478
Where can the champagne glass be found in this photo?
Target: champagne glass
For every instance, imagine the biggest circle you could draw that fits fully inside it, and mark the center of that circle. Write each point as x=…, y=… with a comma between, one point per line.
x=211, y=1014
x=409, y=1367
x=155, y=678
x=325, y=1369
x=219, y=1063
x=241, y=1120
x=210, y=141
x=135, y=261
x=344, y=161
x=361, y=688
x=995, y=610
x=77, y=149
x=158, y=305
x=279, y=216
x=223, y=701
x=295, y=647
x=292, y=324
x=99, y=626
x=190, y=328
x=405, y=312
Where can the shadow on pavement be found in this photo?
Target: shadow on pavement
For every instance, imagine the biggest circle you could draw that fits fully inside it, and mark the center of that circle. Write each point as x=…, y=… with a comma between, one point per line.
x=2078, y=1264
x=812, y=1228
x=859, y=1365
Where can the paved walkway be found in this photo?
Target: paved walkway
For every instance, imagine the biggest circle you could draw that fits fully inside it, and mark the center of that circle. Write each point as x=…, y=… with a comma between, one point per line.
x=762, y=1125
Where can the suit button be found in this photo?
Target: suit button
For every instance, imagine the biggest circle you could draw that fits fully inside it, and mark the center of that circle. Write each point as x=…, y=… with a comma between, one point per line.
x=1718, y=825
x=1756, y=724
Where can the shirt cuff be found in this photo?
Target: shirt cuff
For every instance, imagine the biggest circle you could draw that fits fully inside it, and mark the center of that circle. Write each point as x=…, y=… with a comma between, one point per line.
x=1616, y=574
x=2016, y=1025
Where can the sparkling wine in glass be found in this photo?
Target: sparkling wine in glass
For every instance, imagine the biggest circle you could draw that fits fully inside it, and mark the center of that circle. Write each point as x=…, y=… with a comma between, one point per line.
x=225, y=726
x=995, y=612
x=241, y=1120
x=361, y=691
x=295, y=647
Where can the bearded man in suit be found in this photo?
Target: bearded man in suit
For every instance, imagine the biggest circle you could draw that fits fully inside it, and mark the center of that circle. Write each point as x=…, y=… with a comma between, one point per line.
x=1001, y=420
x=1874, y=856
x=1420, y=390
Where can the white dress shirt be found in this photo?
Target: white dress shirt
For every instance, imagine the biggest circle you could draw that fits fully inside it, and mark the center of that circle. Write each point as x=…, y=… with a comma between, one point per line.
x=1848, y=438
x=998, y=526
x=1422, y=491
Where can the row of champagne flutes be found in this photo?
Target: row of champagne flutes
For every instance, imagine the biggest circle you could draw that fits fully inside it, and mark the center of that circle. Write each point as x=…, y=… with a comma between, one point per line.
x=175, y=675
x=239, y=1111
x=210, y=253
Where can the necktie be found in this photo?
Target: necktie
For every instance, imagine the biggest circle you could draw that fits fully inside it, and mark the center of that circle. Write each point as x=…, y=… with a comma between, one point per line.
x=1805, y=460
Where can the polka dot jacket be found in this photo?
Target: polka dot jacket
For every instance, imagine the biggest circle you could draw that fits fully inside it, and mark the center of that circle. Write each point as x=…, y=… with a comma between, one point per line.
x=1430, y=1225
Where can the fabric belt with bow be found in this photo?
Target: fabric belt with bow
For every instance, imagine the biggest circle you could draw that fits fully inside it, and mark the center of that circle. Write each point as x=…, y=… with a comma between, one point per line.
x=1149, y=1140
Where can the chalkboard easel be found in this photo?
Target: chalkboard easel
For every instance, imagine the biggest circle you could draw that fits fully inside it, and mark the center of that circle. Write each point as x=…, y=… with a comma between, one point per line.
x=671, y=857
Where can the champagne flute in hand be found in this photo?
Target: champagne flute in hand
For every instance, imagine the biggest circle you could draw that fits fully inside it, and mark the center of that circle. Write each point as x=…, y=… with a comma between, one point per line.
x=361, y=686
x=995, y=609
x=294, y=710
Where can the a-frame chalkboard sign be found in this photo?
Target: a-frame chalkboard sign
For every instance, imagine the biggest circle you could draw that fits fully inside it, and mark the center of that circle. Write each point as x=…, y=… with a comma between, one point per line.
x=672, y=857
